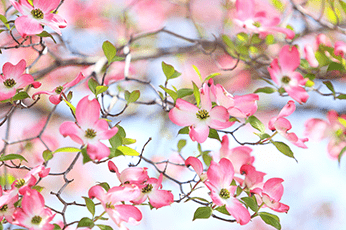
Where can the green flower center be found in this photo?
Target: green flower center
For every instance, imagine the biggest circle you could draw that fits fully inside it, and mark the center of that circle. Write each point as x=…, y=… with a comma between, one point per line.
x=59, y=89
x=202, y=114
x=285, y=80
x=37, y=13
x=224, y=194
x=19, y=183
x=90, y=133
x=4, y=208
x=110, y=206
x=9, y=83
x=147, y=188
x=257, y=24
x=36, y=220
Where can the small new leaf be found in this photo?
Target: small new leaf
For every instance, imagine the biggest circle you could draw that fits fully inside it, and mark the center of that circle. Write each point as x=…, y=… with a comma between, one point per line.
x=132, y=97
x=257, y=124
x=67, y=150
x=47, y=155
x=169, y=71
x=20, y=96
x=92, y=83
x=198, y=72
x=251, y=203
x=85, y=222
x=329, y=86
x=45, y=34
x=202, y=213
x=283, y=148
x=181, y=144
x=184, y=130
x=267, y=90
x=110, y=51
x=128, y=151
x=90, y=205
x=196, y=93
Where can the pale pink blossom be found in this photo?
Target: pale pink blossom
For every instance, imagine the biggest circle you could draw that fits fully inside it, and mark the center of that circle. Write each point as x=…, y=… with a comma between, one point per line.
x=282, y=125
x=36, y=15
x=151, y=189
x=33, y=214
x=258, y=21
x=14, y=80
x=271, y=195
x=339, y=48
x=253, y=178
x=131, y=175
x=283, y=73
x=318, y=129
x=239, y=156
x=89, y=129
x=200, y=119
x=56, y=94
x=197, y=165
x=111, y=202
x=220, y=176
x=7, y=208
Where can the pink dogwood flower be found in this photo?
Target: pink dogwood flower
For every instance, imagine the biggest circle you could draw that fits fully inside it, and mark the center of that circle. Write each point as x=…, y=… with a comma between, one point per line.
x=239, y=156
x=33, y=214
x=7, y=208
x=283, y=73
x=339, y=48
x=237, y=106
x=318, y=129
x=220, y=176
x=14, y=80
x=271, y=195
x=151, y=189
x=132, y=175
x=36, y=15
x=111, y=202
x=56, y=94
x=197, y=165
x=282, y=125
x=258, y=22
x=89, y=129
x=200, y=119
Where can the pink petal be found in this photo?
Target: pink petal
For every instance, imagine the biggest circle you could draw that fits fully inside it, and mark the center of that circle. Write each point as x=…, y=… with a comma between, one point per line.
x=245, y=9
x=101, y=126
x=282, y=124
x=69, y=128
x=196, y=164
x=274, y=188
x=315, y=129
x=275, y=71
x=160, y=198
x=340, y=48
x=289, y=59
x=98, y=192
x=24, y=80
x=126, y=192
x=55, y=99
x=298, y=93
x=14, y=71
x=128, y=213
x=288, y=109
x=97, y=151
x=221, y=175
x=199, y=132
x=219, y=118
x=289, y=33
x=310, y=56
x=27, y=26
x=184, y=113
x=74, y=81
x=87, y=112
x=32, y=202
x=46, y=6
x=238, y=211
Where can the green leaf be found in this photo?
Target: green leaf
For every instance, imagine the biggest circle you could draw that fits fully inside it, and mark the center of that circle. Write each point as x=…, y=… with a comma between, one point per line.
x=184, y=130
x=105, y=186
x=342, y=121
x=20, y=96
x=343, y=5
x=92, y=83
x=255, y=39
x=184, y=92
x=198, y=73
x=6, y=179
x=47, y=155
x=128, y=141
x=181, y=144
x=214, y=134
x=67, y=150
x=197, y=198
x=278, y=5
x=257, y=124
x=206, y=158
x=69, y=96
x=223, y=210
x=128, y=151
x=115, y=153
x=73, y=109
x=4, y=20
x=270, y=219
x=90, y=205
x=283, y=148
x=329, y=86
x=196, y=93
x=104, y=227
x=267, y=90
x=38, y=188
x=230, y=45
x=251, y=203
x=86, y=222
x=211, y=76
x=132, y=97
x=341, y=96
x=202, y=213
x=322, y=59
x=169, y=71
x=9, y=157
x=243, y=37
x=56, y=227
x=45, y=34
x=116, y=141
x=86, y=157
x=336, y=66
x=170, y=92
x=109, y=50
x=121, y=131
x=100, y=89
